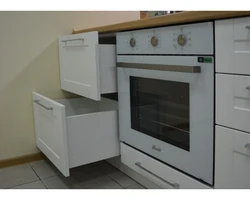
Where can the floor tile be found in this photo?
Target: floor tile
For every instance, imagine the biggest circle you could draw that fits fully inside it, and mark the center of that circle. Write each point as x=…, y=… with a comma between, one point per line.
x=58, y=182
x=136, y=186
x=107, y=168
x=85, y=173
x=17, y=175
x=102, y=182
x=122, y=179
x=44, y=169
x=32, y=185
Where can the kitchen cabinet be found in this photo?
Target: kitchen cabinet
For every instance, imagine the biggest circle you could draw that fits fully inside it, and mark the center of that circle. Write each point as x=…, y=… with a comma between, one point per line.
x=232, y=45
x=87, y=66
x=75, y=132
x=233, y=101
x=157, y=172
x=232, y=159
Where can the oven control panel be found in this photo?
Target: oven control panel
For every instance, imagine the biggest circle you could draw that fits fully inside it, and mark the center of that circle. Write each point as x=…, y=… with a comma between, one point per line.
x=180, y=39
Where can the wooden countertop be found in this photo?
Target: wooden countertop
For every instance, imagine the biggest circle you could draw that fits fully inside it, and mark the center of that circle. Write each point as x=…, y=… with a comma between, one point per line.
x=178, y=18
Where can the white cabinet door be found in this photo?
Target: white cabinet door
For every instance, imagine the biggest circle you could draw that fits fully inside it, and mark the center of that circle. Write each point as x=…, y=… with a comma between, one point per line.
x=232, y=45
x=79, y=64
x=232, y=159
x=233, y=101
x=51, y=133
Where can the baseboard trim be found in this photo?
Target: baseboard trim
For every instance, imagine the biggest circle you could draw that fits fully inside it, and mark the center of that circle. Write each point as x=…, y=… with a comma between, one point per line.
x=22, y=159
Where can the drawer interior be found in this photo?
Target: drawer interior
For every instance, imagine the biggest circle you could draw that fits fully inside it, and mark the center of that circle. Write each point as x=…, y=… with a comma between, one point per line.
x=79, y=106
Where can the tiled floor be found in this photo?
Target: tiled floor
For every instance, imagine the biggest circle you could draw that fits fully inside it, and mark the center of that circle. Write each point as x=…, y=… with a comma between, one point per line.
x=43, y=175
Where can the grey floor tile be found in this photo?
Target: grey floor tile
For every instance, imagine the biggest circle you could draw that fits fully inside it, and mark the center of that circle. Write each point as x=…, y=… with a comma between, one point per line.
x=136, y=186
x=32, y=185
x=58, y=182
x=85, y=173
x=107, y=168
x=44, y=169
x=102, y=182
x=17, y=175
x=122, y=179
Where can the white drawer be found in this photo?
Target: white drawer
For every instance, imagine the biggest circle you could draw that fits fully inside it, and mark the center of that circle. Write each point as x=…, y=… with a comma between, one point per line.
x=160, y=174
x=232, y=45
x=233, y=101
x=87, y=68
x=74, y=132
x=232, y=159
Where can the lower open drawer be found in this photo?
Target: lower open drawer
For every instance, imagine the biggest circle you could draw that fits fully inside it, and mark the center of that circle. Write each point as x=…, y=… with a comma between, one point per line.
x=74, y=132
x=157, y=172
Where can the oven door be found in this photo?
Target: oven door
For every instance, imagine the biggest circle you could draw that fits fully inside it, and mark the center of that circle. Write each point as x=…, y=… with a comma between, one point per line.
x=166, y=110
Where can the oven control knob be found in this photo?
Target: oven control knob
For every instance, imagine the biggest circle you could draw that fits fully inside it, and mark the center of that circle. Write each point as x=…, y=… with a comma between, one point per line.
x=182, y=40
x=132, y=42
x=154, y=41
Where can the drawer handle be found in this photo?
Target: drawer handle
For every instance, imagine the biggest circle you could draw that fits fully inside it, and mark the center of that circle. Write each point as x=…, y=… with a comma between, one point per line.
x=247, y=27
x=69, y=40
x=47, y=108
x=174, y=185
x=247, y=146
x=247, y=87
x=155, y=148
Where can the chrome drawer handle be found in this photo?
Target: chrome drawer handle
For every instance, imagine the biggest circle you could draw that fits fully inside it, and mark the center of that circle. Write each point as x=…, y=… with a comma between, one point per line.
x=247, y=87
x=247, y=146
x=69, y=40
x=155, y=148
x=174, y=185
x=47, y=108
x=247, y=27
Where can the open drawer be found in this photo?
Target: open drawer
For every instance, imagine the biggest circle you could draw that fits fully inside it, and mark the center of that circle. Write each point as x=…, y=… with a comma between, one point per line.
x=87, y=64
x=74, y=132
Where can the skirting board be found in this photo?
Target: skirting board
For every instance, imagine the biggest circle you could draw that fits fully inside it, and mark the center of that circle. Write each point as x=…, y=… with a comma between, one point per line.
x=22, y=159
x=116, y=162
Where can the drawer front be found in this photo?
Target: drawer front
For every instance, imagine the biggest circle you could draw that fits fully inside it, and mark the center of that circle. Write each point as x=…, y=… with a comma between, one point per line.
x=232, y=172
x=162, y=175
x=79, y=64
x=232, y=44
x=51, y=131
x=233, y=101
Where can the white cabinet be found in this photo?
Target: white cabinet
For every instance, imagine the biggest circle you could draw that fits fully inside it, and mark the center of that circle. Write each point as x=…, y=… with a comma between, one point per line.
x=232, y=159
x=232, y=45
x=74, y=132
x=233, y=101
x=87, y=68
x=157, y=172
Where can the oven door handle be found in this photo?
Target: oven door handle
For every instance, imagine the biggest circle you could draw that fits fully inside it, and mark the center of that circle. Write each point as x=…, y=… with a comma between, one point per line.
x=174, y=185
x=173, y=68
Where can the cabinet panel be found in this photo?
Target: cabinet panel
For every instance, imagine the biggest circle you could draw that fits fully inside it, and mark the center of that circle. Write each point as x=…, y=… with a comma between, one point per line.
x=157, y=172
x=79, y=64
x=233, y=101
x=232, y=159
x=51, y=132
x=232, y=45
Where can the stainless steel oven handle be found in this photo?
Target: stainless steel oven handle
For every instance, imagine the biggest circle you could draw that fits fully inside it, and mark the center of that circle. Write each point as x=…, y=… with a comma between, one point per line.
x=47, y=108
x=174, y=185
x=173, y=68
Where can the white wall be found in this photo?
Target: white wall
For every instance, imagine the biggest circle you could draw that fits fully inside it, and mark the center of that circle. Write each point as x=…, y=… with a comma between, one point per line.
x=29, y=62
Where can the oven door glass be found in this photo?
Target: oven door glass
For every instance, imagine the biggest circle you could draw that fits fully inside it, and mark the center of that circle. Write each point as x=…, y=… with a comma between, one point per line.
x=161, y=109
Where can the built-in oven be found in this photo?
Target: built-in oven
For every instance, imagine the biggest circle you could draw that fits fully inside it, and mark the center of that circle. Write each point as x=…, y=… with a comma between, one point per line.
x=166, y=105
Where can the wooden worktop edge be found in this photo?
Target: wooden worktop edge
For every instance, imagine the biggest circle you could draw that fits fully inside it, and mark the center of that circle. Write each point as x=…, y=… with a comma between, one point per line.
x=178, y=18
